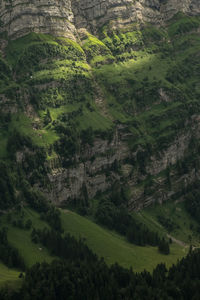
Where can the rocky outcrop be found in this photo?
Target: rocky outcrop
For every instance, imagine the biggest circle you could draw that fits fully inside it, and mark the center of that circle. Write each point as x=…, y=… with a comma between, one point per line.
x=20, y=17
x=62, y=18
x=95, y=14
x=96, y=167
x=97, y=172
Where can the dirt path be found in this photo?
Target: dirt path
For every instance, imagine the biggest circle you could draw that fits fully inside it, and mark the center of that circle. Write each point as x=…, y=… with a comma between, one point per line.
x=180, y=243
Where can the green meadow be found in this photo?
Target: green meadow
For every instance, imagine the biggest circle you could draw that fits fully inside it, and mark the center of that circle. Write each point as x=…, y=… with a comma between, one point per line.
x=105, y=243
x=114, y=248
x=9, y=277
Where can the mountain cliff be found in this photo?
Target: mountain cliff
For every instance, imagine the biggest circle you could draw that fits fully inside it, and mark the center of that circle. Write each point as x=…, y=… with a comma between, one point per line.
x=96, y=97
x=63, y=18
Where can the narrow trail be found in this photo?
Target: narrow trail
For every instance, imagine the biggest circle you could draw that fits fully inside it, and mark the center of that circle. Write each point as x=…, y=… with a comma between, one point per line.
x=180, y=243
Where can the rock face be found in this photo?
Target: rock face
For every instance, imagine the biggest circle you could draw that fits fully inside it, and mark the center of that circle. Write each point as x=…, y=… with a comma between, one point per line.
x=98, y=175
x=94, y=14
x=97, y=168
x=19, y=17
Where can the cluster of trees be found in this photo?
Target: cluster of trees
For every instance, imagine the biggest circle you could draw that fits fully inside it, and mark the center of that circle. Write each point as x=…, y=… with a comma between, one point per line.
x=7, y=193
x=4, y=68
x=52, y=217
x=167, y=223
x=35, y=52
x=16, y=142
x=65, y=247
x=163, y=247
x=49, y=213
x=66, y=117
x=192, y=203
x=81, y=275
x=8, y=254
x=47, y=118
x=119, y=219
x=21, y=224
x=35, y=199
x=71, y=140
x=189, y=68
x=34, y=165
x=5, y=118
x=87, y=136
x=68, y=144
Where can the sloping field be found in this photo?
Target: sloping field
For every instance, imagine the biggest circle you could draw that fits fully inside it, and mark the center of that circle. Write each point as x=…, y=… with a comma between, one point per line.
x=9, y=276
x=115, y=248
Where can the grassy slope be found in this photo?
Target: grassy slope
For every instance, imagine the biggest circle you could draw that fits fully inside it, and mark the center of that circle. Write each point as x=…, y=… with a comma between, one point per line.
x=65, y=65
x=20, y=238
x=141, y=60
x=107, y=244
x=9, y=277
x=114, y=248
x=137, y=65
x=185, y=227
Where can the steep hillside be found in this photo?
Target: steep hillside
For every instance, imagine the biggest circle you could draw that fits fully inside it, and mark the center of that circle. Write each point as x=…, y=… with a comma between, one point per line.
x=99, y=113
x=105, y=243
x=66, y=17
x=121, y=108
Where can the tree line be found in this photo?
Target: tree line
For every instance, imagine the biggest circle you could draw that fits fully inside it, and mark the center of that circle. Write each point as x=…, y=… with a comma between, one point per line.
x=79, y=274
x=118, y=218
x=9, y=255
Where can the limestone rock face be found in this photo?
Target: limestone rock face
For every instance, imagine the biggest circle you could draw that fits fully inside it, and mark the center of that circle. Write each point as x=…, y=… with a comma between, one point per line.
x=68, y=183
x=19, y=17
x=96, y=170
x=96, y=13
x=62, y=17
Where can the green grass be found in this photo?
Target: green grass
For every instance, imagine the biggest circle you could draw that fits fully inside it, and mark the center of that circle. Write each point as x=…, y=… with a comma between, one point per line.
x=23, y=124
x=59, y=73
x=89, y=118
x=114, y=248
x=105, y=243
x=95, y=48
x=16, y=47
x=183, y=24
x=9, y=277
x=55, y=112
x=21, y=238
x=63, y=62
x=186, y=226
x=122, y=81
x=94, y=119
x=41, y=137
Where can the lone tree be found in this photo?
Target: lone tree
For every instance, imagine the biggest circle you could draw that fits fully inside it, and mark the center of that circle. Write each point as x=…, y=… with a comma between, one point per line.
x=163, y=247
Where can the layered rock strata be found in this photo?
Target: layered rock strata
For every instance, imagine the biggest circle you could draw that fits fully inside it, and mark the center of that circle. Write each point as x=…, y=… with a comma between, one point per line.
x=62, y=18
x=20, y=17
